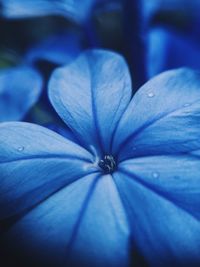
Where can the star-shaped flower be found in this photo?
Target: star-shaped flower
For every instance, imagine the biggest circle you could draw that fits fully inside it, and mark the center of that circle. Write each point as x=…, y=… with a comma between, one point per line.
x=126, y=189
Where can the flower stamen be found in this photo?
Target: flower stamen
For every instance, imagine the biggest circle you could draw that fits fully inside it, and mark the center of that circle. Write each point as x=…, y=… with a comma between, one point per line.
x=107, y=164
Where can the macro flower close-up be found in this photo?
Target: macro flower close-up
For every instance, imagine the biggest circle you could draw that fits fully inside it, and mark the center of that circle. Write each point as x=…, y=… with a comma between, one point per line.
x=124, y=190
x=99, y=133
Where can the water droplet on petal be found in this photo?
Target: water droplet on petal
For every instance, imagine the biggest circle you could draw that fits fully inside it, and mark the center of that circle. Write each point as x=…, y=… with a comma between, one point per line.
x=155, y=174
x=20, y=148
x=151, y=94
x=186, y=105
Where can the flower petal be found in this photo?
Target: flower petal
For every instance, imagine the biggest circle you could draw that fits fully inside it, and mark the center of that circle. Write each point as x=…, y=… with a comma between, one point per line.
x=82, y=225
x=176, y=178
x=91, y=95
x=75, y=10
x=163, y=117
x=20, y=88
x=59, y=49
x=35, y=163
x=64, y=131
x=165, y=234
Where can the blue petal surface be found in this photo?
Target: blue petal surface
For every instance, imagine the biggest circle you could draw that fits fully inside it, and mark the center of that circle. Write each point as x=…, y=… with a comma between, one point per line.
x=20, y=88
x=91, y=94
x=162, y=118
x=35, y=163
x=82, y=225
x=164, y=232
x=64, y=131
x=175, y=177
x=75, y=10
x=59, y=49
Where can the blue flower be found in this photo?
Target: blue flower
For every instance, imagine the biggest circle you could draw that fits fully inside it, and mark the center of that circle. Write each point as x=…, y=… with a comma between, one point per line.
x=21, y=85
x=166, y=49
x=20, y=88
x=58, y=49
x=173, y=31
x=127, y=190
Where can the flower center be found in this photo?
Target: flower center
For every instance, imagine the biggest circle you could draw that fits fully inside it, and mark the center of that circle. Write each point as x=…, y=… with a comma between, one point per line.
x=107, y=164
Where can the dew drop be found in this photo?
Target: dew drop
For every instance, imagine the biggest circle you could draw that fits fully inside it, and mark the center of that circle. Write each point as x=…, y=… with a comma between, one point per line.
x=155, y=174
x=150, y=94
x=20, y=148
x=186, y=105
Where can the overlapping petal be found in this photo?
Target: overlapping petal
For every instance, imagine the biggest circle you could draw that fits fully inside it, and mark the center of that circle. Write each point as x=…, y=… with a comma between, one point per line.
x=82, y=225
x=91, y=94
x=162, y=118
x=20, y=88
x=163, y=231
x=35, y=163
x=64, y=131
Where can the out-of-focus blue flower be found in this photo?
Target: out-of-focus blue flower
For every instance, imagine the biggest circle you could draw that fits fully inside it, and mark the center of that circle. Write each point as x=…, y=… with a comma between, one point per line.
x=59, y=49
x=73, y=9
x=168, y=49
x=130, y=186
x=172, y=34
x=21, y=86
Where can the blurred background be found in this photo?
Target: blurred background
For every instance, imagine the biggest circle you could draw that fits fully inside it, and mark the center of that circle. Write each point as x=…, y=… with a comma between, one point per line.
x=40, y=35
